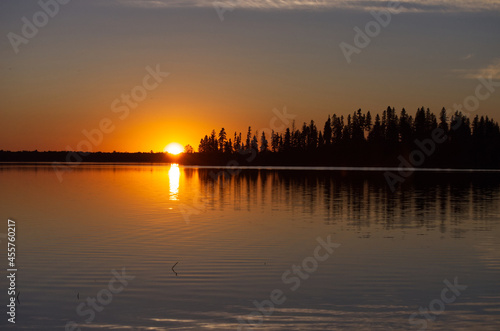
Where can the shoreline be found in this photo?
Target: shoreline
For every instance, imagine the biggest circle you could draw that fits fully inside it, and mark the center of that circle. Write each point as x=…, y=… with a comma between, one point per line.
x=256, y=167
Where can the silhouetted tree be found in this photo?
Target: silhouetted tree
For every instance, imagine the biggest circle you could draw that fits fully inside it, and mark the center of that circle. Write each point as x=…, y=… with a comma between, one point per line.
x=263, y=143
x=368, y=122
x=255, y=143
x=420, y=125
x=391, y=129
x=338, y=128
x=346, y=132
x=275, y=141
x=357, y=129
x=443, y=121
x=249, y=138
x=228, y=146
x=204, y=145
x=222, y=140
x=377, y=133
x=327, y=132
x=312, y=136
x=287, y=143
x=237, y=142
x=405, y=128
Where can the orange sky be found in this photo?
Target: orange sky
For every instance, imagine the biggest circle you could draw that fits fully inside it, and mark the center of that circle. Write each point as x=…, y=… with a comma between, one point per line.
x=230, y=73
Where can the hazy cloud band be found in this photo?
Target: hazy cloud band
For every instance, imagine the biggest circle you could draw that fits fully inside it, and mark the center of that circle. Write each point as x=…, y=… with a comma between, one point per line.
x=364, y=5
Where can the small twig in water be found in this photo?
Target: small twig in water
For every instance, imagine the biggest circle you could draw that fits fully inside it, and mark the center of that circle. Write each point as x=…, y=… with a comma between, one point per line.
x=174, y=267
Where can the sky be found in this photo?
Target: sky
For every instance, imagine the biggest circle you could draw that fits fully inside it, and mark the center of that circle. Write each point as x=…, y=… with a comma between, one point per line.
x=136, y=75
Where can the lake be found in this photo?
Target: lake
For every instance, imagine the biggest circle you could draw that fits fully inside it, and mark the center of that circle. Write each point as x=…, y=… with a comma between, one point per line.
x=167, y=247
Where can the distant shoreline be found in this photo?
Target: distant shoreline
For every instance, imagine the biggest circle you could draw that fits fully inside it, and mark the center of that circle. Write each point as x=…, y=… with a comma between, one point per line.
x=262, y=167
x=284, y=161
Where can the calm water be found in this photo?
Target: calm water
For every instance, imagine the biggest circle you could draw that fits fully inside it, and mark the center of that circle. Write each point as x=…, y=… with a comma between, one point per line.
x=236, y=239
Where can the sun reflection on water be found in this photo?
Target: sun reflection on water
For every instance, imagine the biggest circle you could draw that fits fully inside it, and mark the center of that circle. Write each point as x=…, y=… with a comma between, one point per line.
x=174, y=175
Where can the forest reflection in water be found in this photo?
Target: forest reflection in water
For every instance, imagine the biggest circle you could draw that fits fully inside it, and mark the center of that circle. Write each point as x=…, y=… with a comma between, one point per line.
x=429, y=201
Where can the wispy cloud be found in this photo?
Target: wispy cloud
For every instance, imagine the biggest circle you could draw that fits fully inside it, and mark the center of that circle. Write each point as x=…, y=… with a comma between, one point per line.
x=364, y=5
x=492, y=70
x=467, y=57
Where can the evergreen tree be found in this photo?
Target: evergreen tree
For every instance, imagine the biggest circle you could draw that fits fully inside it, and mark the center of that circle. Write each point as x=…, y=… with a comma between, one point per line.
x=419, y=126
x=255, y=143
x=357, y=128
x=346, y=132
x=312, y=139
x=228, y=146
x=263, y=143
x=338, y=128
x=237, y=142
x=327, y=132
x=222, y=140
x=249, y=138
x=377, y=133
x=213, y=142
x=321, y=140
x=287, y=143
x=405, y=128
x=391, y=130
x=443, y=121
x=368, y=122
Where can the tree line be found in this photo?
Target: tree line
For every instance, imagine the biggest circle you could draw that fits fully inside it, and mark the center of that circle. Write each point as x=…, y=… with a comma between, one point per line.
x=364, y=139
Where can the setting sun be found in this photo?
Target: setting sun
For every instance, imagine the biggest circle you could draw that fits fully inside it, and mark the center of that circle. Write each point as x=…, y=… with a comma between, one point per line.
x=174, y=148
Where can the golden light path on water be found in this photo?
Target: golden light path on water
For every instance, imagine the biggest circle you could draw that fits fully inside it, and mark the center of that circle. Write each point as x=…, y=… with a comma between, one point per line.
x=174, y=175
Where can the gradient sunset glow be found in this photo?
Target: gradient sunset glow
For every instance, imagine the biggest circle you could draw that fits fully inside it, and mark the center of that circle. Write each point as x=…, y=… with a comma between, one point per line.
x=230, y=67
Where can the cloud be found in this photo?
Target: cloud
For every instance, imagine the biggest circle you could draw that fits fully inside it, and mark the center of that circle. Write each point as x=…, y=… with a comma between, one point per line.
x=492, y=70
x=362, y=5
x=467, y=57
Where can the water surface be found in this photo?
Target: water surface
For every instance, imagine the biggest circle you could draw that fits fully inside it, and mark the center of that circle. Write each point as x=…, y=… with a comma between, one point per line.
x=233, y=234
